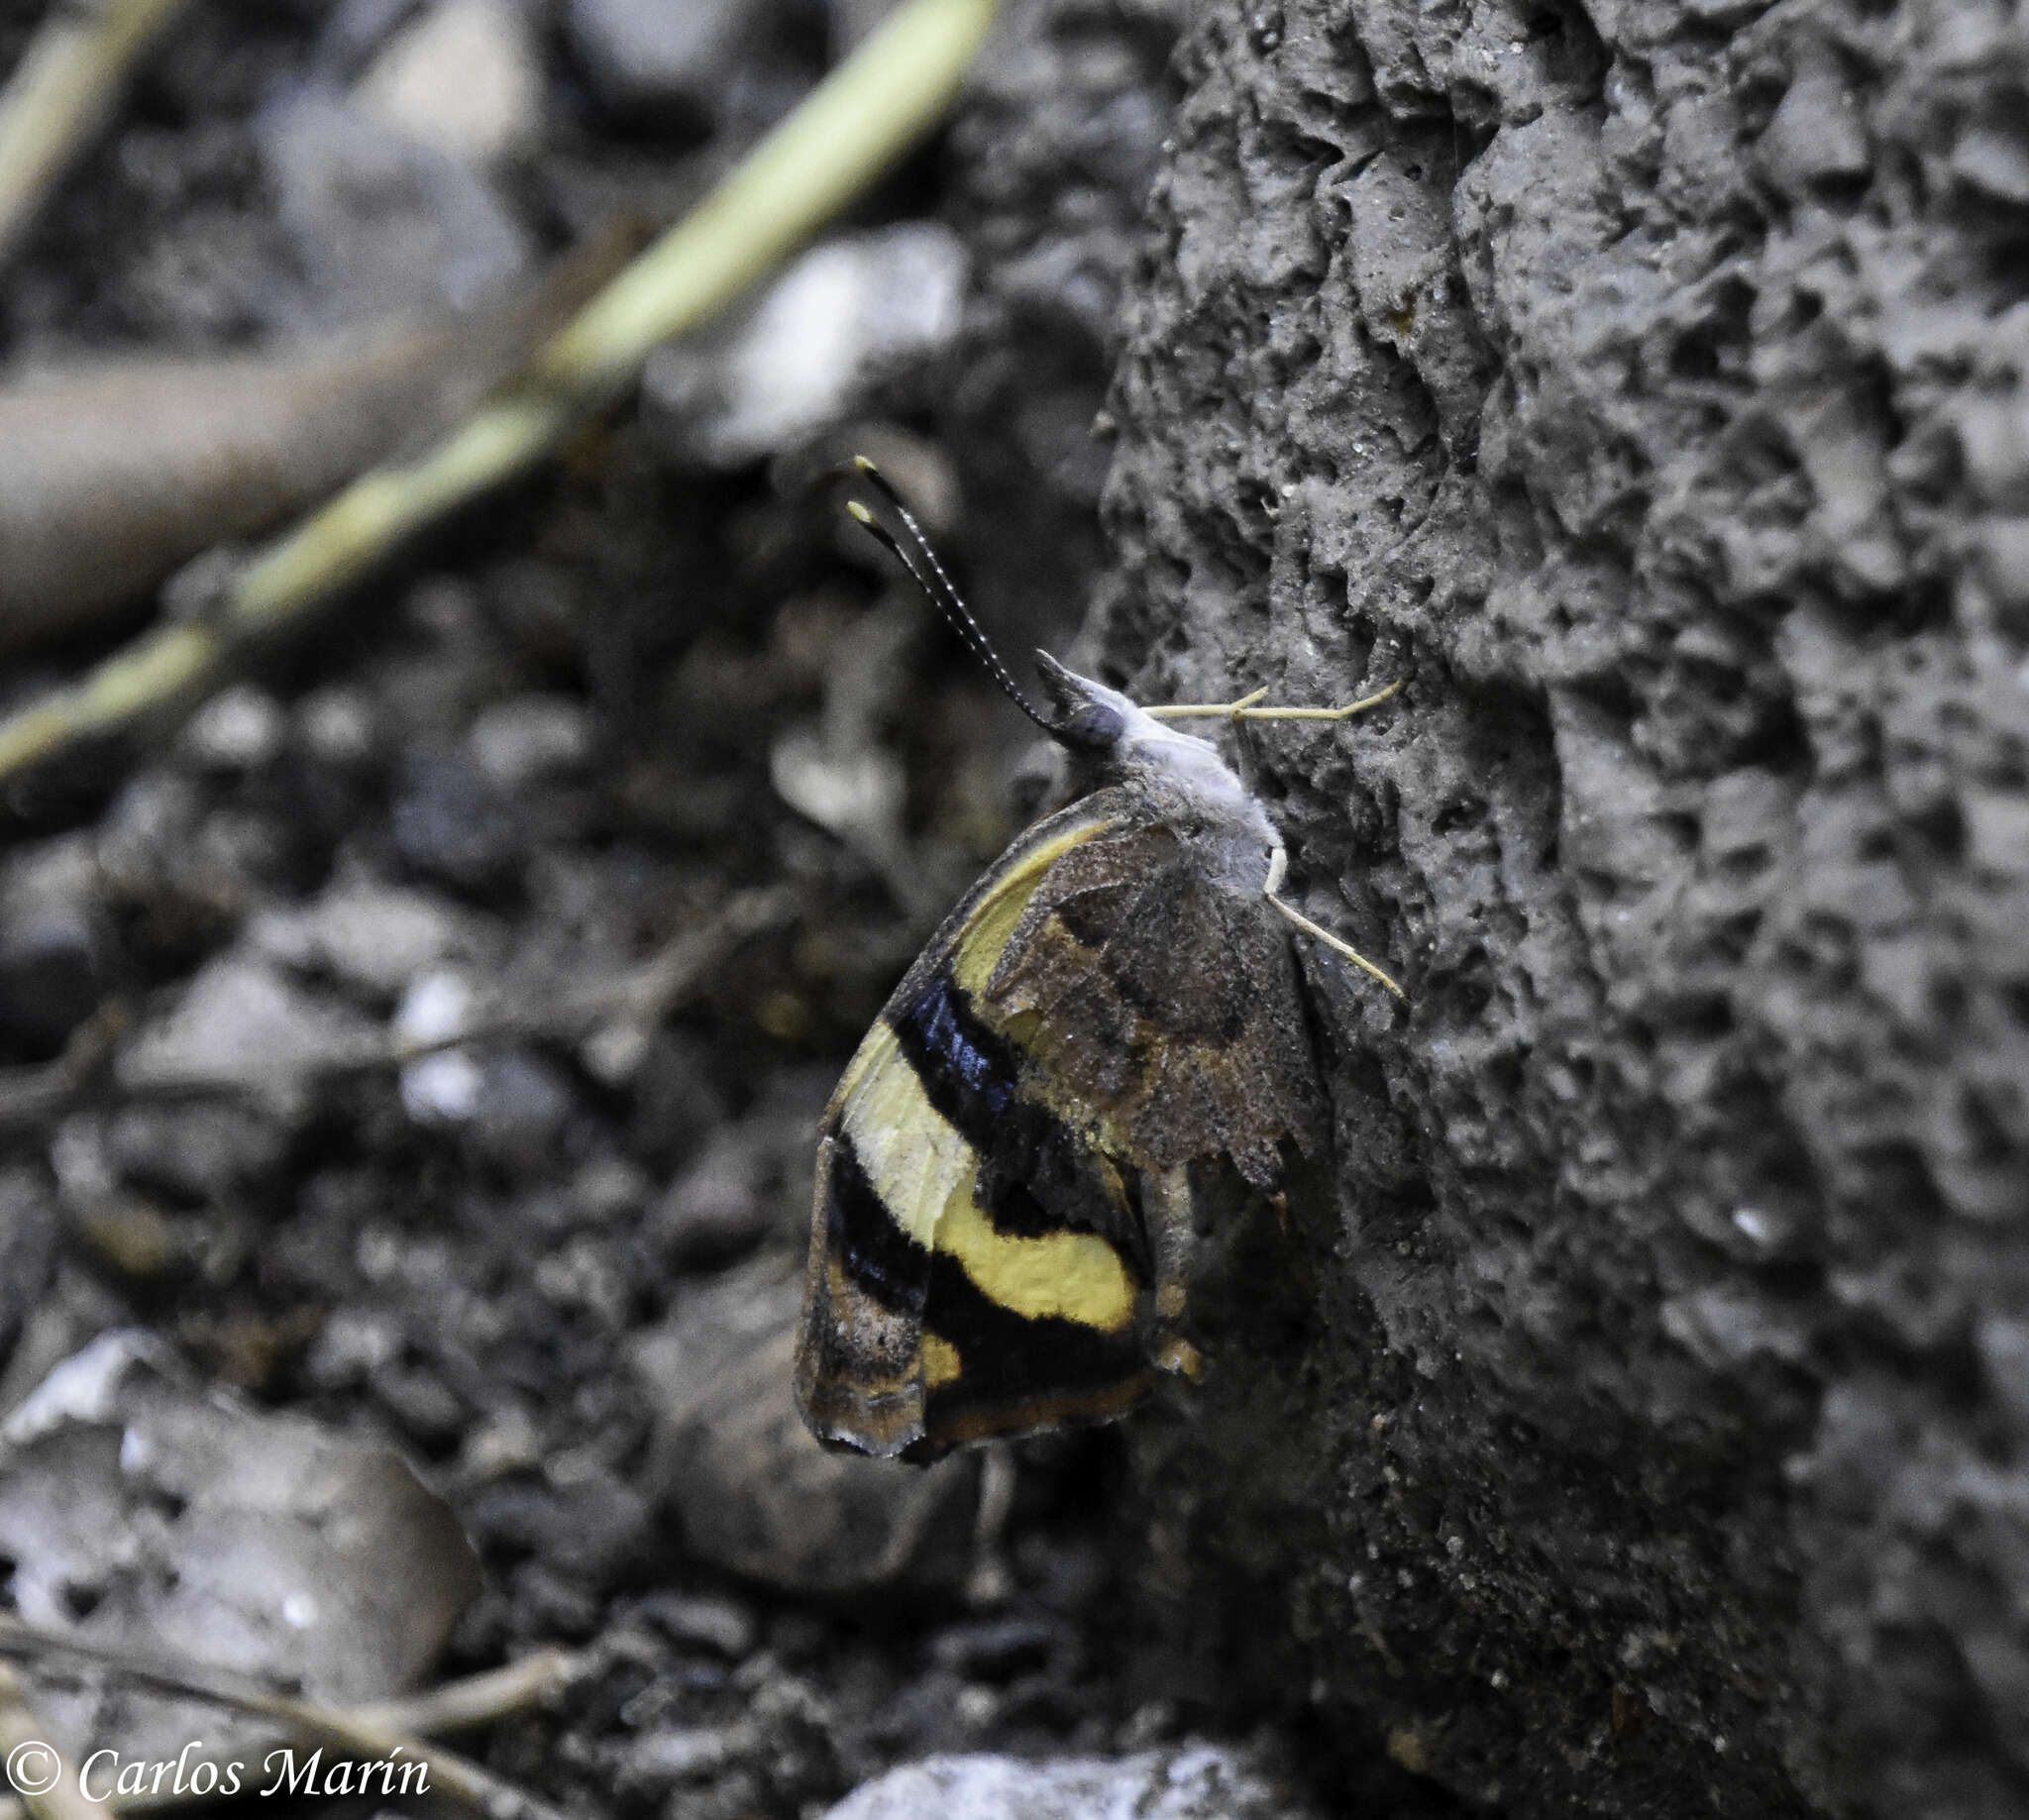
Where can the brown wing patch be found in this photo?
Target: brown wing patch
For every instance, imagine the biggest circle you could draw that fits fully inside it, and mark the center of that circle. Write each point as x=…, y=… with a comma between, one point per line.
x=860, y=1367
x=1165, y=1002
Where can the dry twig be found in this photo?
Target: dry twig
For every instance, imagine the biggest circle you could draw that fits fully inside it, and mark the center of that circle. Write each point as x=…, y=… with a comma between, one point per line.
x=380, y=1732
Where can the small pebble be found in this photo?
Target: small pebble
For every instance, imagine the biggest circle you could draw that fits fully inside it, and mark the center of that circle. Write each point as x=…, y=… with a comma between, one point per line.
x=524, y=1103
x=465, y=78
x=204, y=1151
x=421, y=1401
x=699, y=63
x=380, y=223
x=508, y=1442
x=591, y=1530
x=1191, y=1782
x=719, y=1207
x=350, y=1345
x=847, y=312
x=375, y=937
x=607, y=1190
x=241, y=729
x=441, y=1089
x=677, y=1753
x=554, y=1605
x=337, y=726
x=239, y=1024
x=453, y=824
x=678, y=1098
x=53, y=940
x=722, y=1624
x=530, y=736
x=436, y=1007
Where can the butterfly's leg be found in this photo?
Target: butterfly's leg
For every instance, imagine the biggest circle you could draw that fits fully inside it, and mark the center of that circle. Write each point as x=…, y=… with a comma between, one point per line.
x=1172, y=1239
x=1278, y=865
x=1246, y=709
x=1207, y=711
x=991, y=1580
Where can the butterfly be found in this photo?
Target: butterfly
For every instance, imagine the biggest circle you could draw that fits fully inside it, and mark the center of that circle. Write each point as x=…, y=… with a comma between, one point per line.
x=1002, y=1230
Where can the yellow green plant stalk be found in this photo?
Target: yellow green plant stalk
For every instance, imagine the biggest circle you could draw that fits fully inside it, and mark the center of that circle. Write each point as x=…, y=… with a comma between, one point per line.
x=61, y=91
x=850, y=130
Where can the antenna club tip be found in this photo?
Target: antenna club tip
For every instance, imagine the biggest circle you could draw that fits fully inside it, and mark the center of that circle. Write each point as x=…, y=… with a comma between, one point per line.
x=860, y=513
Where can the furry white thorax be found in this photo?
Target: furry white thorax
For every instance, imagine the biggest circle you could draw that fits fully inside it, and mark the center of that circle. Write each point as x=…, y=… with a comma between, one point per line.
x=1149, y=752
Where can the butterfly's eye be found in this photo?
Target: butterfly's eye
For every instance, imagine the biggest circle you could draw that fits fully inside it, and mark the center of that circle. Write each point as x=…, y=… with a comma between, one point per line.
x=1089, y=717
x=1092, y=726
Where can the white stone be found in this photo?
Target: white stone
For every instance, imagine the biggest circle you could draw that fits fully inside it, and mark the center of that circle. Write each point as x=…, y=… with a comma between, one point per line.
x=1192, y=1781
x=530, y=736
x=465, y=78
x=436, y=1007
x=441, y=1089
x=241, y=729
x=844, y=314
x=374, y=936
x=242, y=1025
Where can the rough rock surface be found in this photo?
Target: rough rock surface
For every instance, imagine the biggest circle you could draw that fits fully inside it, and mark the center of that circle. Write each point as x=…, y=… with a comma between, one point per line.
x=1645, y=379
x=1194, y=1782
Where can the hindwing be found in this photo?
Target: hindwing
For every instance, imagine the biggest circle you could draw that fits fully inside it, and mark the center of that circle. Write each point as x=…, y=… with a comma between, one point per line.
x=1001, y=1204
x=1167, y=996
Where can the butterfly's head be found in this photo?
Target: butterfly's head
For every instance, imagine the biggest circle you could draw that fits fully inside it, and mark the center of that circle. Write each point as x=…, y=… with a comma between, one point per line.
x=1090, y=719
x=1106, y=737
x=1112, y=740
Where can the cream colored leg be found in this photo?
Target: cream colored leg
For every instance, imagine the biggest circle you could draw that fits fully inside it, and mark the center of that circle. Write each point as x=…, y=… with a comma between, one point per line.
x=1244, y=708
x=1330, y=940
x=1278, y=864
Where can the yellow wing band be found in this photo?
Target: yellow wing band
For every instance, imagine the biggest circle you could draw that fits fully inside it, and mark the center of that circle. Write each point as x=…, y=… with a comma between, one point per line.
x=925, y=1173
x=979, y=946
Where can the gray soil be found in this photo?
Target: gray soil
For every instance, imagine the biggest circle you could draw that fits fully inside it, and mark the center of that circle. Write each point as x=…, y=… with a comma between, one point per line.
x=1632, y=1417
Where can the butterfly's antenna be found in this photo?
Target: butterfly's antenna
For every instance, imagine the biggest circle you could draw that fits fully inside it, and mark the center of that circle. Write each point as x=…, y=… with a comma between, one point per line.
x=920, y=561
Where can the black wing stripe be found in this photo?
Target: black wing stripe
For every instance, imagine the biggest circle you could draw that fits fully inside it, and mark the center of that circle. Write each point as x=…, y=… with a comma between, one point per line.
x=880, y=1259
x=1035, y=1175
x=1008, y=1356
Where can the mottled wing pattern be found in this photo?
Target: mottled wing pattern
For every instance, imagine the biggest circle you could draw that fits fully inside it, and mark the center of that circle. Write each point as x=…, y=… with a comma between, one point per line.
x=861, y=1369
x=1166, y=999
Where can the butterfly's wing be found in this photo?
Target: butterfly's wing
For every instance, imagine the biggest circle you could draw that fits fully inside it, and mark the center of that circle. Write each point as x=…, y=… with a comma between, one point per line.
x=1002, y=1217
x=1166, y=997
x=977, y=1267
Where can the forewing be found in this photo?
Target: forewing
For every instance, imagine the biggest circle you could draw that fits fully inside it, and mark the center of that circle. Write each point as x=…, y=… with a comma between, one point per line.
x=976, y=1265
x=860, y=1367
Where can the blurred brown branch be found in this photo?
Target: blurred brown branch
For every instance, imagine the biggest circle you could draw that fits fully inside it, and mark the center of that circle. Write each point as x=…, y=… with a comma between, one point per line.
x=851, y=129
